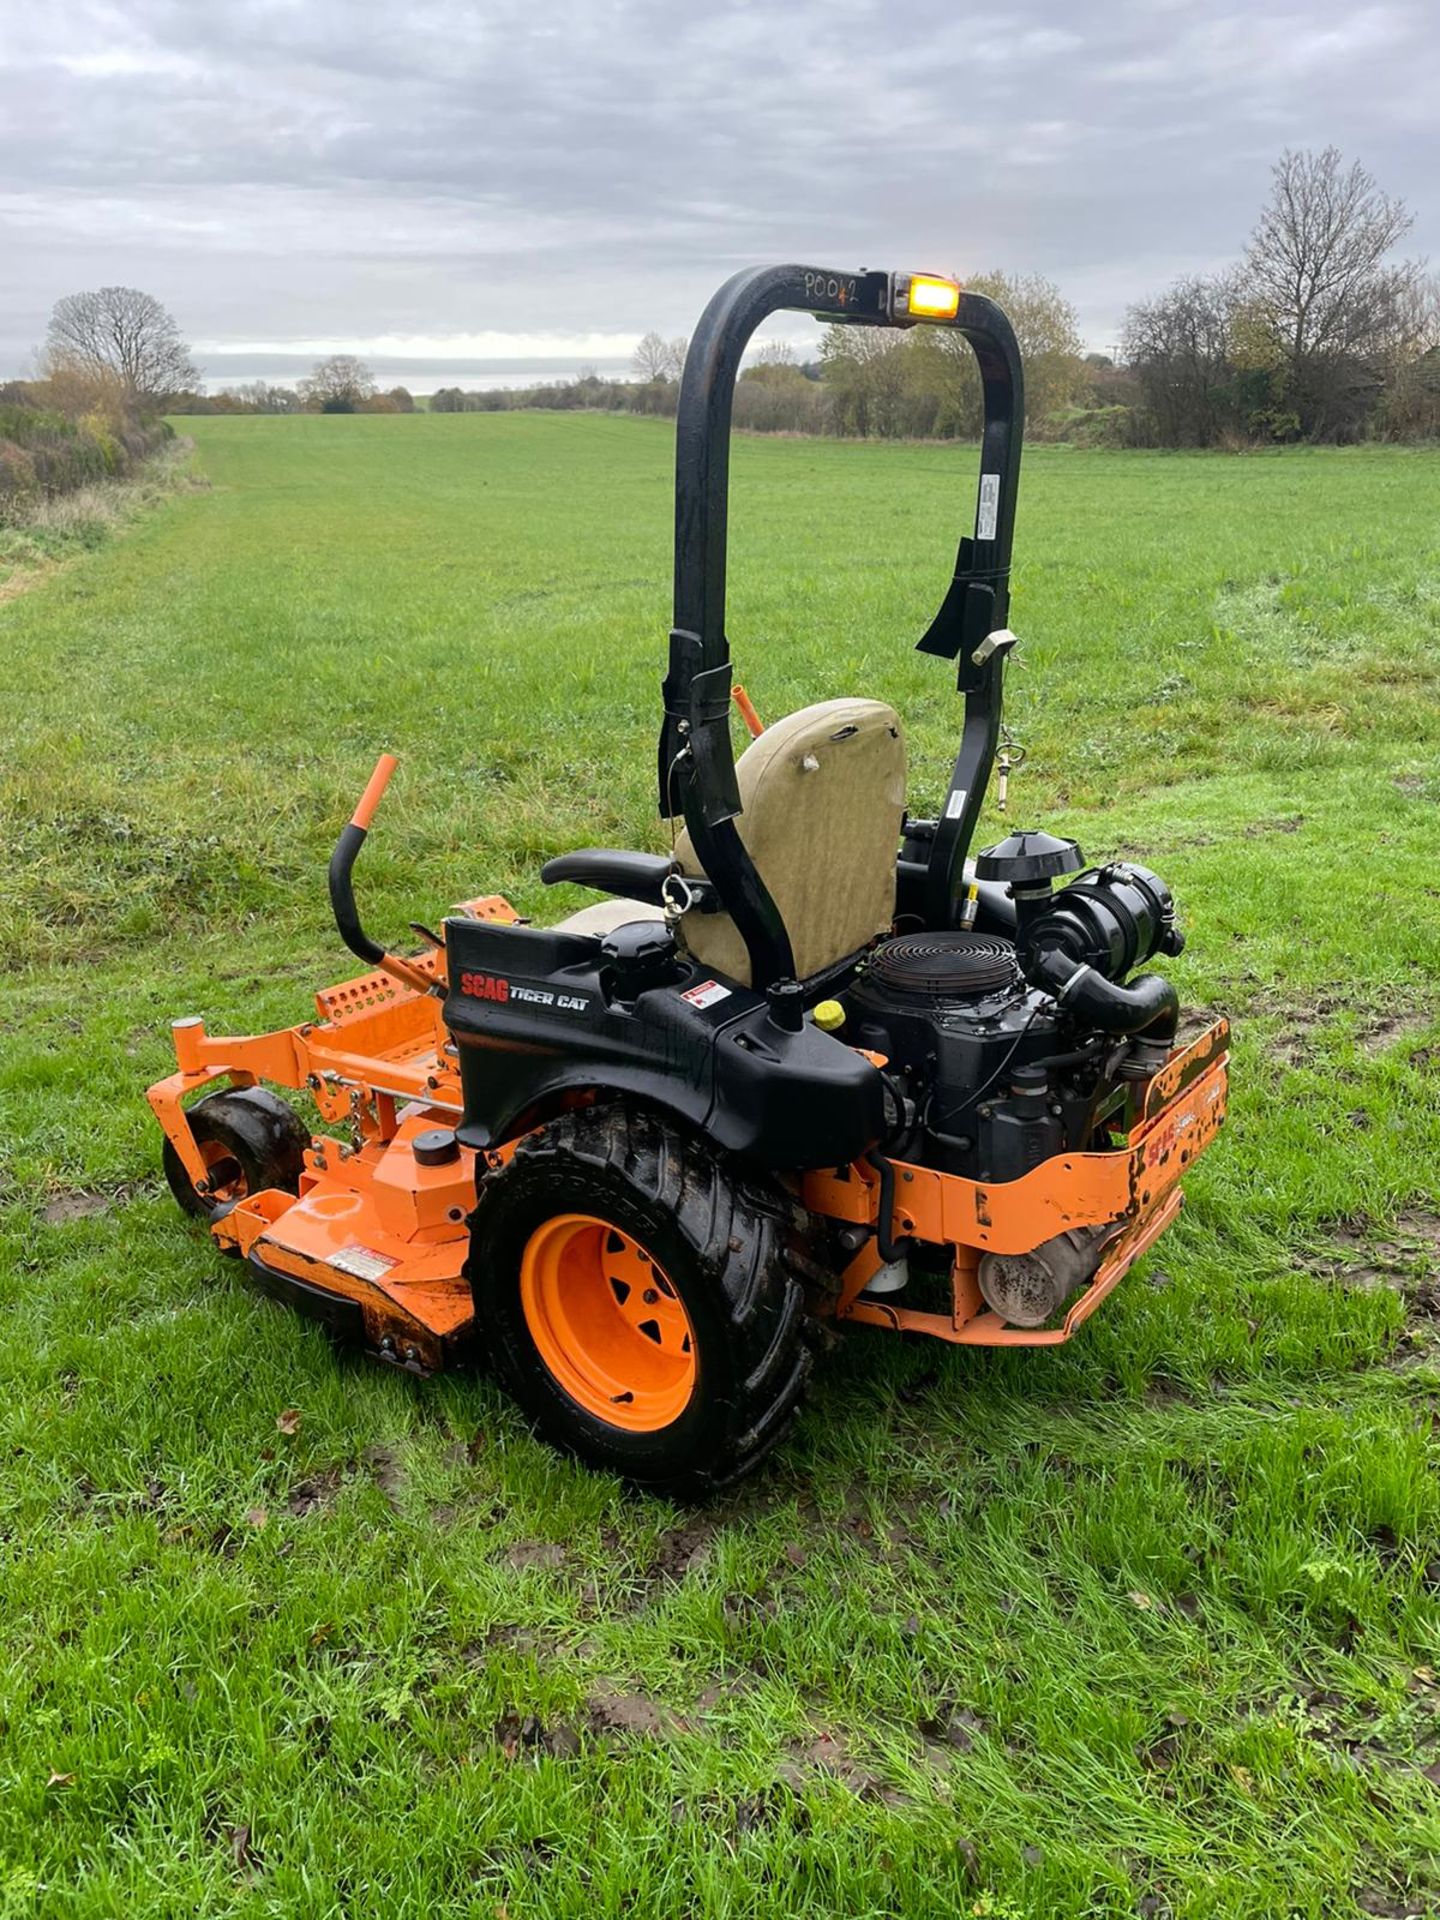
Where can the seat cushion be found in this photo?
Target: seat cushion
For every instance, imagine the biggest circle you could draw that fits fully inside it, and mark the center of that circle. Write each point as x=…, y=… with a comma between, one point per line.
x=606, y=915
x=823, y=793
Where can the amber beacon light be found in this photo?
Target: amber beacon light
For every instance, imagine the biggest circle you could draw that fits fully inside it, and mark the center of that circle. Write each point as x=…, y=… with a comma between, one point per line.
x=929, y=297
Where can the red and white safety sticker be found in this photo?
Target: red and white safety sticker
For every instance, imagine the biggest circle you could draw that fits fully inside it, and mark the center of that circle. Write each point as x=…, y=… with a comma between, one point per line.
x=706, y=994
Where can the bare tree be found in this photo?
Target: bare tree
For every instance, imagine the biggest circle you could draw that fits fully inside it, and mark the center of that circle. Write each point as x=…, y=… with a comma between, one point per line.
x=656, y=358
x=1409, y=407
x=1178, y=347
x=651, y=358
x=1318, y=248
x=341, y=384
x=122, y=331
x=1318, y=282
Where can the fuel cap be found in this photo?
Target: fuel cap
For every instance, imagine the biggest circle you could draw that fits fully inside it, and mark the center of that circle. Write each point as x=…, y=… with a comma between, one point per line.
x=436, y=1147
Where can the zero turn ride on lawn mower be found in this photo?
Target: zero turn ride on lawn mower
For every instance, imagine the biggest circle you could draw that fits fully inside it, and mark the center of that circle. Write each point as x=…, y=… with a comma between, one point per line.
x=780, y=1074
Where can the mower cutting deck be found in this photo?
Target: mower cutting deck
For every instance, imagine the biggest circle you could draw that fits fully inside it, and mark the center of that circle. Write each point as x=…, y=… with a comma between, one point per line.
x=780, y=1075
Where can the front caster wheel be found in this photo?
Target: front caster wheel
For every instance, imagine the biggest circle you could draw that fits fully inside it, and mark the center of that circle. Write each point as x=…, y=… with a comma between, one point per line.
x=249, y=1140
x=636, y=1301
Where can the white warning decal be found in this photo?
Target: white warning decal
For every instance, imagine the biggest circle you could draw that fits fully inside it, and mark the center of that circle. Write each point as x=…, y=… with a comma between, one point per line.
x=706, y=994
x=362, y=1263
x=989, y=510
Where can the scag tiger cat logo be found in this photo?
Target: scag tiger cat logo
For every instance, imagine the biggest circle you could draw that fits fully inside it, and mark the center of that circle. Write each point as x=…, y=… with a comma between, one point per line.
x=484, y=986
x=493, y=986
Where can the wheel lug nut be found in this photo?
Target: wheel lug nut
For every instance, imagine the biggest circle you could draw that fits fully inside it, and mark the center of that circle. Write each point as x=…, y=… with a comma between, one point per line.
x=650, y=1296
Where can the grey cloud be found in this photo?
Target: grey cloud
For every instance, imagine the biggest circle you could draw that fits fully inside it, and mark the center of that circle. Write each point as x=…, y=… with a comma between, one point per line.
x=277, y=170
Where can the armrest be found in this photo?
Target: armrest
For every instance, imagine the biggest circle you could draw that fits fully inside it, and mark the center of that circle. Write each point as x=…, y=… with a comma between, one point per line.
x=629, y=876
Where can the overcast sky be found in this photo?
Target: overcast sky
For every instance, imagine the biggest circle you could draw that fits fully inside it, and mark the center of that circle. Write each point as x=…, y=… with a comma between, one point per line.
x=502, y=179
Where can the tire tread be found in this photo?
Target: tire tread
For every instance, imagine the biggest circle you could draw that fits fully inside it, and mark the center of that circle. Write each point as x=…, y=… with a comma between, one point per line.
x=732, y=1228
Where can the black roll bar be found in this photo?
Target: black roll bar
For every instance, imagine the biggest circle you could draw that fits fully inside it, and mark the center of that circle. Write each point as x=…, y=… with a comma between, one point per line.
x=696, y=759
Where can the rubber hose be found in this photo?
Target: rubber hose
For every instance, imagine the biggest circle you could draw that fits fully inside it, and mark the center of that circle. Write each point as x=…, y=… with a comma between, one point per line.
x=1149, y=1005
x=890, y=1250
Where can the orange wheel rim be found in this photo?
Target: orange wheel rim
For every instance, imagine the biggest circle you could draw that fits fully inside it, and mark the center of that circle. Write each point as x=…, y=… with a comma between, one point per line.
x=607, y=1322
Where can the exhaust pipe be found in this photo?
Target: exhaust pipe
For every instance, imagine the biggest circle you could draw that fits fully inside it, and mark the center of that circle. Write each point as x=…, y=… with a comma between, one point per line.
x=1026, y=1289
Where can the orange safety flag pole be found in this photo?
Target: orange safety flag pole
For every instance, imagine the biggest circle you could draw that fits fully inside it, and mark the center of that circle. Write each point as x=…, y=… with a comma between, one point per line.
x=747, y=711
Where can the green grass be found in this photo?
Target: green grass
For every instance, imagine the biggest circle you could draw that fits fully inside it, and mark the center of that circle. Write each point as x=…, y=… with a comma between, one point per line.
x=1143, y=1625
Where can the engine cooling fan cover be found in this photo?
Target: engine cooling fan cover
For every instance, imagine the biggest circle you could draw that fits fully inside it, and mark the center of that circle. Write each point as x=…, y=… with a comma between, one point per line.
x=929, y=969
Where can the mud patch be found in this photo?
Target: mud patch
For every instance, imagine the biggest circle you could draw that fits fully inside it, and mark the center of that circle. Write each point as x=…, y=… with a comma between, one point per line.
x=950, y=1730
x=682, y=1551
x=1285, y=823
x=78, y=1203
x=1423, y=1313
x=1163, y=1394
x=1382, y=1034
x=827, y=1757
x=617, y=1710
x=1293, y=1045
x=1384, y=1905
x=1163, y=1749
x=545, y=1554
x=521, y=1637
x=387, y=1473
x=521, y=1736
x=732, y=1819
x=1407, y=1260
x=315, y=1493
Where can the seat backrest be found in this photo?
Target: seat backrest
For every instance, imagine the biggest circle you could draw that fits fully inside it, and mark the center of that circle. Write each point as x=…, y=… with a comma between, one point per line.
x=823, y=793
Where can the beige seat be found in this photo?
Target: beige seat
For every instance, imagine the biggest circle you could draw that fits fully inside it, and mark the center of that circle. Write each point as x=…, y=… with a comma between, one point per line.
x=603, y=916
x=823, y=793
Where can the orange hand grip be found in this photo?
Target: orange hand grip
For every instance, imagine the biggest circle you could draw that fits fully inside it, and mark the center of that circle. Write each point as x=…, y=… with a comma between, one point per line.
x=747, y=711
x=370, y=798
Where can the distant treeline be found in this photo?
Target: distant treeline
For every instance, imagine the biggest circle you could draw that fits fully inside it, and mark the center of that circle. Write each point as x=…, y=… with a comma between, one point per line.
x=771, y=398
x=1316, y=334
x=325, y=390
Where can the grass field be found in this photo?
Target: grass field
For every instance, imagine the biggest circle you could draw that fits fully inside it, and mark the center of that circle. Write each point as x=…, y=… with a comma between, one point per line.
x=1145, y=1625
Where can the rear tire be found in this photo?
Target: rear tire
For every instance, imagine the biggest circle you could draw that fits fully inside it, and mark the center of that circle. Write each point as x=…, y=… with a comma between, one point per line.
x=250, y=1140
x=589, y=1207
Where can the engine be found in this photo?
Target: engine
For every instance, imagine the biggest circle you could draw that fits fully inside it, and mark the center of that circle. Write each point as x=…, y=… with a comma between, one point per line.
x=1005, y=1047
